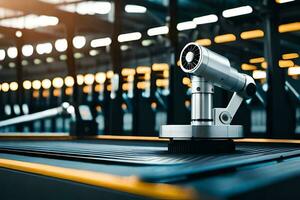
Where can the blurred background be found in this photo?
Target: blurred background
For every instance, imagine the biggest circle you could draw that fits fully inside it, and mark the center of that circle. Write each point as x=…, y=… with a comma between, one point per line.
x=118, y=61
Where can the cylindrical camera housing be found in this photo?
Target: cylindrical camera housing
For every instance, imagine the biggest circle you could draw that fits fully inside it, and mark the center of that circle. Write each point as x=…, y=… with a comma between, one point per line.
x=200, y=61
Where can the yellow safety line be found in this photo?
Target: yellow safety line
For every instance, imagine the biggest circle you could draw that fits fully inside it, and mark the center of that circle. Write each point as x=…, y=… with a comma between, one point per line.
x=138, y=138
x=129, y=184
x=64, y=136
x=262, y=140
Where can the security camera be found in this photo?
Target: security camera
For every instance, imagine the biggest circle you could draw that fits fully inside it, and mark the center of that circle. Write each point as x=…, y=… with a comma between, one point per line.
x=200, y=61
x=208, y=69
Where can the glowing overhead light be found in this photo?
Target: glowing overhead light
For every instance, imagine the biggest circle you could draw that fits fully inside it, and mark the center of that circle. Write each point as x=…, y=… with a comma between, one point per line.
x=27, y=85
x=13, y=86
x=205, y=19
x=162, y=82
x=257, y=60
x=127, y=71
x=11, y=65
x=78, y=55
x=252, y=34
x=135, y=9
x=203, y=42
x=63, y=57
x=18, y=34
x=186, y=25
x=49, y=59
x=27, y=50
x=93, y=52
x=12, y=52
x=143, y=70
x=124, y=47
x=80, y=79
x=186, y=81
x=47, y=20
x=36, y=84
x=248, y=67
x=46, y=84
x=89, y=79
x=61, y=45
x=290, y=56
x=44, y=48
x=147, y=42
x=284, y=1
x=58, y=82
x=264, y=65
x=29, y=21
x=5, y=87
x=293, y=71
x=24, y=62
x=129, y=37
x=162, y=30
x=160, y=66
x=100, y=77
x=286, y=63
x=295, y=26
x=2, y=54
x=101, y=42
x=79, y=42
x=69, y=81
x=243, y=10
x=225, y=38
x=143, y=85
x=109, y=74
x=37, y=61
x=259, y=74
x=88, y=7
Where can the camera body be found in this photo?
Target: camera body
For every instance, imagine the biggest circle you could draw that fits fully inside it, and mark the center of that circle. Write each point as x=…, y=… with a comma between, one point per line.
x=208, y=69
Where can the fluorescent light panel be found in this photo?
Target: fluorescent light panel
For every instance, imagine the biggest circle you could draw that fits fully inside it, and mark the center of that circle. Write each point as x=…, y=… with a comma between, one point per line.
x=88, y=7
x=243, y=10
x=186, y=26
x=129, y=37
x=259, y=74
x=292, y=71
x=205, y=19
x=29, y=21
x=101, y=42
x=135, y=9
x=162, y=30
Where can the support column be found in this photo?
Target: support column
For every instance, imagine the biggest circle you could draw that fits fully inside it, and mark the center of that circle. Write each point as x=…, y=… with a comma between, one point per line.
x=280, y=112
x=71, y=65
x=19, y=72
x=116, y=112
x=177, y=113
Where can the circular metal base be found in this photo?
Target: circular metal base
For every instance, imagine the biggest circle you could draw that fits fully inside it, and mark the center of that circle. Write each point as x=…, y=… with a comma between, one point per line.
x=188, y=132
x=201, y=146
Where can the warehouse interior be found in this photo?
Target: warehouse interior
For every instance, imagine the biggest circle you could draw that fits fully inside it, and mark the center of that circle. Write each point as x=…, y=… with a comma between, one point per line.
x=108, y=99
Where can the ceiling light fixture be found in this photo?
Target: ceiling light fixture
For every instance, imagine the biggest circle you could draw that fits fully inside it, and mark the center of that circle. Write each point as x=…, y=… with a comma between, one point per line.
x=207, y=19
x=233, y=12
x=162, y=30
x=135, y=9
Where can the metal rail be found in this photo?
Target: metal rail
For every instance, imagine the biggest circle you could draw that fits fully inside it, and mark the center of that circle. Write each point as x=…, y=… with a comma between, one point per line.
x=63, y=109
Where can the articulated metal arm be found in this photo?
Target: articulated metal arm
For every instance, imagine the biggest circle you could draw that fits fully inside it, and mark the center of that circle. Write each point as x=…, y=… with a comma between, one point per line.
x=225, y=115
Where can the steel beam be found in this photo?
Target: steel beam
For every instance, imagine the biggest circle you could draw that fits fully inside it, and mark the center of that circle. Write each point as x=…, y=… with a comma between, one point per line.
x=177, y=113
x=116, y=112
x=280, y=112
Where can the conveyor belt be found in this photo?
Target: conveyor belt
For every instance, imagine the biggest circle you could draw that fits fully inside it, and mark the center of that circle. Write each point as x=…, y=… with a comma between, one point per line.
x=169, y=166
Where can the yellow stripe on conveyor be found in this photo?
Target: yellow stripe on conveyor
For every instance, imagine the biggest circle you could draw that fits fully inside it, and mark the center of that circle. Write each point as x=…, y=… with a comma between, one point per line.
x=127, y=184
x=262, y=140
